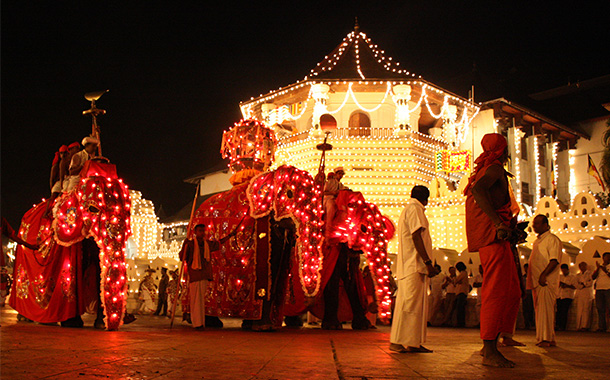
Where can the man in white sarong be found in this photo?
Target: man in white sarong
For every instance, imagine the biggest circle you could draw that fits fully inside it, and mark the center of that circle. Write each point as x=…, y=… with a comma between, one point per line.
x=413, y=270
x=543, y=279
x=583, y=297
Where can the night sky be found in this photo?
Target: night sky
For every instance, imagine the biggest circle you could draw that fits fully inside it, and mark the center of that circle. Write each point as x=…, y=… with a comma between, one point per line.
x=177, y=71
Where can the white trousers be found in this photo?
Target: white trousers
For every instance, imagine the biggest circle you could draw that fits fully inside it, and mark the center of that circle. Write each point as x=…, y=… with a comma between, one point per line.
x=545, y=299
x=583, y=311
x=197, y=290
x=410, y=314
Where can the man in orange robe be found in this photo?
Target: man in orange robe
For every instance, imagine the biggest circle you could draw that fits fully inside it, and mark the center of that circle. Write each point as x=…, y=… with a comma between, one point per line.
x=490, y=217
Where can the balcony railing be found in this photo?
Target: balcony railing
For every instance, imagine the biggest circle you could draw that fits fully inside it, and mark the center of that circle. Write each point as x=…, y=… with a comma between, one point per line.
x=366, y=132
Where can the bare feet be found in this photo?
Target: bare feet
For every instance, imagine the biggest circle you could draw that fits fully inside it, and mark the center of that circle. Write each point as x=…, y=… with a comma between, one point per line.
x=496, y=359
x=546, y=343
x=493, y=358
x=420, y=349
x=508, y=341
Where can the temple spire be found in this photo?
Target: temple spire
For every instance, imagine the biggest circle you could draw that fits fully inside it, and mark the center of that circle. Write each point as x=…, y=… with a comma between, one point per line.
x=356, y=26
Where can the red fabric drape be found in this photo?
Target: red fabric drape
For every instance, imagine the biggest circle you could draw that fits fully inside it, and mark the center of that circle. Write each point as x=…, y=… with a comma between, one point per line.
x=47, y=284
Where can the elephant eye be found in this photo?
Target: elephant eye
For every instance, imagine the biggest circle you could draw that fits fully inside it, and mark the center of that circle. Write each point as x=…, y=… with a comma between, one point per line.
x=363, y=228
x=289, y=194
x=93, y=209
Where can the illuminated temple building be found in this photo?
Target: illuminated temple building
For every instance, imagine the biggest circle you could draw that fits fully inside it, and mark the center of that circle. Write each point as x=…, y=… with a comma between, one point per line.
x=394, y=130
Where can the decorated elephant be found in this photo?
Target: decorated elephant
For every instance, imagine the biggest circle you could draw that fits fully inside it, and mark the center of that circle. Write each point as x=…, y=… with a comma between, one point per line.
x=358, y=228
x=81, y=260
x=272, y=258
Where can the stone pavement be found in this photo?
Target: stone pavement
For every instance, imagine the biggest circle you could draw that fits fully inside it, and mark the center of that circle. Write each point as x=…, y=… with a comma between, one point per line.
x=148, y=349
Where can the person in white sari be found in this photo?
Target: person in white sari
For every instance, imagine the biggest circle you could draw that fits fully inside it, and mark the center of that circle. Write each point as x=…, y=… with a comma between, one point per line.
x=543, y=279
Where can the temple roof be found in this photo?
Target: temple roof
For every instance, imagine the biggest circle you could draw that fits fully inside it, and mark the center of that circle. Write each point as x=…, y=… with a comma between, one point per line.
x=357, y=58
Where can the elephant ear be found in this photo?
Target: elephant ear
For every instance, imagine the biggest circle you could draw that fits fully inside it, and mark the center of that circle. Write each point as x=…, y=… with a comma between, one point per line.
x=68, y=223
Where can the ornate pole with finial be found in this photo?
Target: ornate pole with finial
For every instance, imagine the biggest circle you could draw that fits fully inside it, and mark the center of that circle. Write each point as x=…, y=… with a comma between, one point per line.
x=95, y=112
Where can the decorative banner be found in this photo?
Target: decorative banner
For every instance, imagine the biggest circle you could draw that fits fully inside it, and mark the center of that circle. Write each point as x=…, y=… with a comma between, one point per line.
x=453, y=161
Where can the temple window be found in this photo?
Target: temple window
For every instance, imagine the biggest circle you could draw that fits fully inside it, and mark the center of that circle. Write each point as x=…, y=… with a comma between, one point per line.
x=359, y=124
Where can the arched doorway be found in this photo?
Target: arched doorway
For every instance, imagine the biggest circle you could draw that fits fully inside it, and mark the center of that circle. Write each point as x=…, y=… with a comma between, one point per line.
x=359, y=124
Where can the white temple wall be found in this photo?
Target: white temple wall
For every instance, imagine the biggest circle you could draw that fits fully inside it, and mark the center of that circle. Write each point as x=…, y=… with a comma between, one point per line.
x=482, y=124
x=382, y=117
x=215, y=183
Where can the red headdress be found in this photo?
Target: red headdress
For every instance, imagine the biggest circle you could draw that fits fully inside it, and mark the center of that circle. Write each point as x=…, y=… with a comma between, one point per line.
x=63, y=149
x=493, y=145
x=74, y=145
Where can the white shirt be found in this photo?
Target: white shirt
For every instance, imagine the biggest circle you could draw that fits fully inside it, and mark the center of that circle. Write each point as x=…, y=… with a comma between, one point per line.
x=602, y=282
x=567, y=292
x=450, y=288
x=79, y=159
x=584, y=284
x=436, y=284
x=462, y=283
x=547, y=247
x=412, y=219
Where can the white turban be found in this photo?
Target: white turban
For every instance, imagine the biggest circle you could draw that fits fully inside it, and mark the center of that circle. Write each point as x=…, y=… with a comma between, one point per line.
x=339, y=169
x=90, y=140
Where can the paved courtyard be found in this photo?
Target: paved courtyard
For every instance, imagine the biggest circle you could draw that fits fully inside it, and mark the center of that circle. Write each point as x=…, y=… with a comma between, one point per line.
x=148, y=349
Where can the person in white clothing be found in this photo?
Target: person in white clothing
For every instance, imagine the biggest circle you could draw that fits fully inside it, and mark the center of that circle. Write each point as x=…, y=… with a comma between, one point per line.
x=567, y=285
x=601, y=275
x=543, y=279
x=78, y=162
x=413, y=270
x=436, y=295
x=583, y=297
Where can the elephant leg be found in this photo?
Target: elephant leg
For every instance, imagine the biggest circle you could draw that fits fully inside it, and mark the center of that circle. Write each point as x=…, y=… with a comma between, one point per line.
x=91, y=253
x=359, y=320
x=331, y=294
x=294, y=321
x=212, y=321
x=282, y=242
x=73, y=322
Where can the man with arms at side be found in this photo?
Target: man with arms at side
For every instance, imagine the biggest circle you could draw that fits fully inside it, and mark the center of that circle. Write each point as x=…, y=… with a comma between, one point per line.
x=567, y=284
x=490, y=217
x=413, y=271
x=543, y=279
